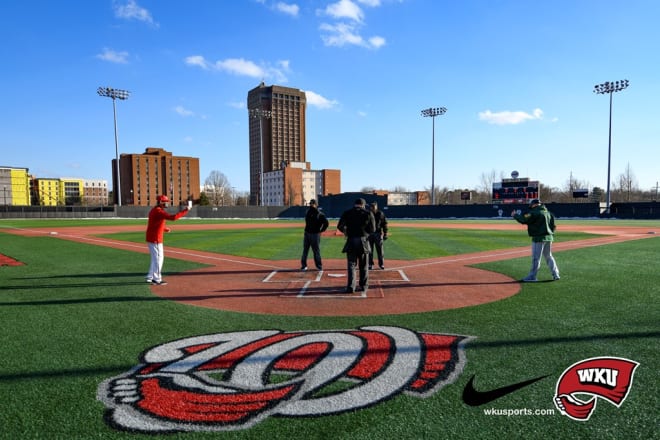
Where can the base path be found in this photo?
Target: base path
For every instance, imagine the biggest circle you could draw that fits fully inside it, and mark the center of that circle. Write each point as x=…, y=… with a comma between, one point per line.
x=279, y=287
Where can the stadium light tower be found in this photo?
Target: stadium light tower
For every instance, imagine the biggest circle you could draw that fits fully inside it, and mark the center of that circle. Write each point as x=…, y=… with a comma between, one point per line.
x=432, y=113
x=115, y=94
x=602, y=89
x=261, y=113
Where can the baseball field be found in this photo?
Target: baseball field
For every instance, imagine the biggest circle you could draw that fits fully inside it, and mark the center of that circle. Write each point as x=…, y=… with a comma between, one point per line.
x=446, y=343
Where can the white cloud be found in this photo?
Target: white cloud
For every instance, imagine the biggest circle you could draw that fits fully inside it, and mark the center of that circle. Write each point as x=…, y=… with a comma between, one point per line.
x=345, y=9
x=319, y=101
x=197, y=60
x=113, y=56
x=342, y=34
x=240, y=67
x=132, y=11
x=183, y=111
x=376, y=42
x=509, y=117
x=288, y=8
x=243, y=67
x=346, y=29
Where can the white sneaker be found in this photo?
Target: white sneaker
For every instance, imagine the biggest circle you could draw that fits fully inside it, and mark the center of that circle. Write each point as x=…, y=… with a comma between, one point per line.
x=555, y=278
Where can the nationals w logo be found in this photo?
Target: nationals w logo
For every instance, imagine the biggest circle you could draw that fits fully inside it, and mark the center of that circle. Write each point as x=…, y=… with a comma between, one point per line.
x=230, y=381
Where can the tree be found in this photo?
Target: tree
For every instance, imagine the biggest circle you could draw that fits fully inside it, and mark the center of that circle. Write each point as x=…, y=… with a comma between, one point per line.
x=627, y=185
x=204, y=199
x=218, y=189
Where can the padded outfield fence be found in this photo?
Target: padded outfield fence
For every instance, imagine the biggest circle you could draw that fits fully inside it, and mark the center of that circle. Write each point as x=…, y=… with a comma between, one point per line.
x=333, y=206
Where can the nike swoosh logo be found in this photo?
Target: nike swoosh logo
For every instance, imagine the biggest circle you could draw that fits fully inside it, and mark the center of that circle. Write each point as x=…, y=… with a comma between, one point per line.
x=473, y=397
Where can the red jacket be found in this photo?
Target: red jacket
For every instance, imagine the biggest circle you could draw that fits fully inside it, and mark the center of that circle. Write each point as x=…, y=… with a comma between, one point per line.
x=156, y=223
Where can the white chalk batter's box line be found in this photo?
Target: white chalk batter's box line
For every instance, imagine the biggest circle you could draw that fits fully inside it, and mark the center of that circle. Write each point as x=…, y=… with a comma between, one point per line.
x=319, y=275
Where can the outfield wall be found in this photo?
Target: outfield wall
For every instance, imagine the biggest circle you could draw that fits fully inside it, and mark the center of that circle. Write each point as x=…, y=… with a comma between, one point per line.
x=333, y=208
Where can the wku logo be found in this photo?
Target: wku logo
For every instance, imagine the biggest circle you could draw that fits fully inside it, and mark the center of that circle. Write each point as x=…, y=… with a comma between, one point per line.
x=230, y=381
x=609, y=378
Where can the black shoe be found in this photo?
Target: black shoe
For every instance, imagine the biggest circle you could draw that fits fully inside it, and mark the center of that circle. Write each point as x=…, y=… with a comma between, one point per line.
x=361, y=288
x=382, y=267
x=159, y=283
x=304, y=268
x=319, y=267
x=348, y=290
x=371, y=267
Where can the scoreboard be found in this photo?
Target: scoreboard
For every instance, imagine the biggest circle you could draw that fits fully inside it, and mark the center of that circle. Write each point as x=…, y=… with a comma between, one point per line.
x=520, y=190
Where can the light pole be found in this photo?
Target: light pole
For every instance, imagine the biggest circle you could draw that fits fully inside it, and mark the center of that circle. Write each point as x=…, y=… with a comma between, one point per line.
x=261, y=114
x=602, y=89
x=432, y=113
x=109, y=92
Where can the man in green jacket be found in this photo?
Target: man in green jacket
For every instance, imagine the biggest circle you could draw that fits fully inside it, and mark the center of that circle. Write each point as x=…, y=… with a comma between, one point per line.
x=541, y=227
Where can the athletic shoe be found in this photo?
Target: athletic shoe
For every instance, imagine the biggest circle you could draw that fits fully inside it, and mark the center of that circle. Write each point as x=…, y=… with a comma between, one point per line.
x=382, y=267
x=320, y=268
x=555, y=278
x=149, y=280
x=361, y=288
x=529, y=280
x=159, y=283
x=371, y=267
x=348, y=290
x=304, y=268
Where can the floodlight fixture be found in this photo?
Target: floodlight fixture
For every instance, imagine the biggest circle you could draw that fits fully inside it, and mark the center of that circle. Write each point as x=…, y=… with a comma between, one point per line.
x=608, y=88
x=109, y=92
x=432, y=113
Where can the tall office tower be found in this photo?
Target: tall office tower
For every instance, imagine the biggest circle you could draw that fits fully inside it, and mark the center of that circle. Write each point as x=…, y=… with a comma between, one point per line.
x=277, y=132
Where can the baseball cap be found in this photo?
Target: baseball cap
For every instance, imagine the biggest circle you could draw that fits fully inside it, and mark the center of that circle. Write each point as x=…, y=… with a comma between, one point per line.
x=162, y=199
x=535, y=202
x=360, y=202
x=312, y=202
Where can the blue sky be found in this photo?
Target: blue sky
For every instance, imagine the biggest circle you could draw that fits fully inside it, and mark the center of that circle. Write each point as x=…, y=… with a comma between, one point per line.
x=516, y=77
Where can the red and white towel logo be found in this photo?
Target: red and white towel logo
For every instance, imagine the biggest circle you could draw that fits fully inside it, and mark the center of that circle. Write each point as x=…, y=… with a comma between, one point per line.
x=231, y=381
x=607, y=378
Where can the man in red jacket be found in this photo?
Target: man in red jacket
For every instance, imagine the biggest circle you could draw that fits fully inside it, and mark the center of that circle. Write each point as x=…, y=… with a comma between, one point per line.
x=155, y=229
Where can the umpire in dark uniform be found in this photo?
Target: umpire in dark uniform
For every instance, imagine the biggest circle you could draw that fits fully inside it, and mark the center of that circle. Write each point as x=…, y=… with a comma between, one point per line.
x=377, y=237
x=356, y=224
x=315, y=224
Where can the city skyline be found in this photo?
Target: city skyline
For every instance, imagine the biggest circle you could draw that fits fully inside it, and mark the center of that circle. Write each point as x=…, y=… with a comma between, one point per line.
x=516, y=79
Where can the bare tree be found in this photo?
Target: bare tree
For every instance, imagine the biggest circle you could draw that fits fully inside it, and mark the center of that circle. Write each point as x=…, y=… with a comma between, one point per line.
x=627, y=184
x=218, y=189
x=487, y=181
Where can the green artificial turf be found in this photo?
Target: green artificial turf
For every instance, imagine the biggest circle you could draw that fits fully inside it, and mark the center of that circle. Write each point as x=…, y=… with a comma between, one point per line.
x=404, y=243
x=75, y=315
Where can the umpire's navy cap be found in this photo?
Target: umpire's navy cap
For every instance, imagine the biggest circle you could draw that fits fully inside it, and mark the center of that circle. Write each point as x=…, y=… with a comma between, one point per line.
x=360, y=202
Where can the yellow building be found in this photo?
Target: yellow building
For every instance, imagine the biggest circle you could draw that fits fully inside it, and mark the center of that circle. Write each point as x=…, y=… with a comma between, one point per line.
x=14, y=186
x=59, y=192
x=49, y=192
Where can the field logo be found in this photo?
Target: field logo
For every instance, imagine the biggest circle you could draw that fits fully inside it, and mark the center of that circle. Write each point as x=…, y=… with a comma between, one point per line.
x=231, y=381
x=608, y=378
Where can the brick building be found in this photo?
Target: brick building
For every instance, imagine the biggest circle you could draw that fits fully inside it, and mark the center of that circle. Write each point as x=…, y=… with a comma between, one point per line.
x=156, y=171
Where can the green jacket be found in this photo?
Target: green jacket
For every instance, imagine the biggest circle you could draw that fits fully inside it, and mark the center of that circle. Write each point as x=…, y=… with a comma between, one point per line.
x=540, y=223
